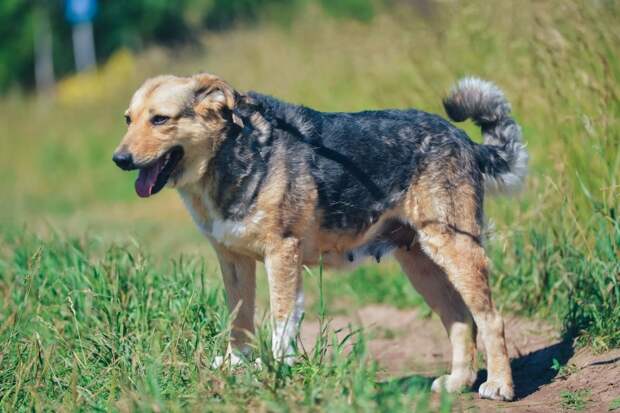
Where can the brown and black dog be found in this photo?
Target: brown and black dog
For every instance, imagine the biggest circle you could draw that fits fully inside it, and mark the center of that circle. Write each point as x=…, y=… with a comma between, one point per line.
x=287, y=185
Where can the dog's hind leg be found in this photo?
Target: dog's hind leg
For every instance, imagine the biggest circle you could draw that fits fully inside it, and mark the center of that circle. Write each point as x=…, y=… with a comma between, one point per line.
x=239, y=275
x=283, y=265
x=432, y=283
x=465, y=262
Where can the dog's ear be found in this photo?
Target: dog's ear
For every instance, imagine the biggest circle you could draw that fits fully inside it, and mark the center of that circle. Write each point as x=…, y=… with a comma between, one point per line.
x=245, y=104
x=213, y=94
x=245, y=107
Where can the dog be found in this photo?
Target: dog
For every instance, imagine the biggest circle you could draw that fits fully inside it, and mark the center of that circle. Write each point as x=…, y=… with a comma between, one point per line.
x=265, y=180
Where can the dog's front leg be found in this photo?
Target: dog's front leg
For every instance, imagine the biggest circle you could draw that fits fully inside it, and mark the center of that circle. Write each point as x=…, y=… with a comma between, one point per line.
x=283, y=265
x=239, y=274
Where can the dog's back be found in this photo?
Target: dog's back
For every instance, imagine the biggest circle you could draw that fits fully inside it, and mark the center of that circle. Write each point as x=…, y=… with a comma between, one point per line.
x=363, y=162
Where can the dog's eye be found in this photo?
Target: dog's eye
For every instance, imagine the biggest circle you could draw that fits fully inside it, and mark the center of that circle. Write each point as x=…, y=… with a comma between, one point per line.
x=159, y=119
x=127, y=119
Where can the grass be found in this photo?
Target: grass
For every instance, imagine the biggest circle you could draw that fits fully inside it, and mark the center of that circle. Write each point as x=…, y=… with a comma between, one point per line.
x=91, y=326
x=110, y=302
x=370, y=284
x=575, y=400
x=563, y=370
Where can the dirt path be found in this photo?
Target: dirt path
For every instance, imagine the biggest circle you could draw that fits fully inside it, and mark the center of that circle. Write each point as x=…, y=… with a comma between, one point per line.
x=407, y=344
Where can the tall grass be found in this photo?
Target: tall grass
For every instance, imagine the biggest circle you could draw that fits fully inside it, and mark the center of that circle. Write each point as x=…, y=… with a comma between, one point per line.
x=94, y=327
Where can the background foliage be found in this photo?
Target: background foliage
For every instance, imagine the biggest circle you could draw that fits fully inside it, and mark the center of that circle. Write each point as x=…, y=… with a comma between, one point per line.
x=137, y=24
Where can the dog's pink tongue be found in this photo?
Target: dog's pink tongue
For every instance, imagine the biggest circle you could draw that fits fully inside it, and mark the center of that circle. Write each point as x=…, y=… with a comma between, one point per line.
x=146, y=180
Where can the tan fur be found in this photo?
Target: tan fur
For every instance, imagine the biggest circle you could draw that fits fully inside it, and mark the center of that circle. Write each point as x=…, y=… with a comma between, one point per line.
x=444, y=260
x=238, y=272
x=432, y=282
x=449, y=234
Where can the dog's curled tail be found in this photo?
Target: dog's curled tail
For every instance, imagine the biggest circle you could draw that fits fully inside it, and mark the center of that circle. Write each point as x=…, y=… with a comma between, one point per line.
x=503, y=158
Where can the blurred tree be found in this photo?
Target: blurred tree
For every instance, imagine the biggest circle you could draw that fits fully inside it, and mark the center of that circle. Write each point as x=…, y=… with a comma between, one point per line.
x=16, y=43
x=44, y=61
x=224, y=14
x=136, y=24
x=133, y=24
x=362, y=10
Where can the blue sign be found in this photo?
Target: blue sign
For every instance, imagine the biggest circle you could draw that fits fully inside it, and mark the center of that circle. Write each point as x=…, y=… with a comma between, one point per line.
x=80, y=11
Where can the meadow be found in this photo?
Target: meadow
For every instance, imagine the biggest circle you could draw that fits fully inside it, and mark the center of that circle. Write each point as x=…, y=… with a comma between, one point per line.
x=113, y=303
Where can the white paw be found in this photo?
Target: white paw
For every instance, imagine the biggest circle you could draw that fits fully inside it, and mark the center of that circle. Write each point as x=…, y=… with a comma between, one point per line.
x=283, y=353
x=232, y=360
x=289, y=359
x=496, y=391
x=453, y=383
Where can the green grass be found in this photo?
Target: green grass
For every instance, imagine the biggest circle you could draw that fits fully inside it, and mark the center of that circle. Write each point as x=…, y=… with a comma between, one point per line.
x=614, y=404
x=371, y=284
x=121, y=306
x=575, y=400
x=89, y=326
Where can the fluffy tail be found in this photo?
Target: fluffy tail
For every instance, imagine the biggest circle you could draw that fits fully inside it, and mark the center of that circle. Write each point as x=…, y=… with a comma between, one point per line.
x=503, y=157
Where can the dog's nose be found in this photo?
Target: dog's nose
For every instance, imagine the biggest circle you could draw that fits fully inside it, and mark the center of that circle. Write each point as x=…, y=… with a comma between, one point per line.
x=124, y=160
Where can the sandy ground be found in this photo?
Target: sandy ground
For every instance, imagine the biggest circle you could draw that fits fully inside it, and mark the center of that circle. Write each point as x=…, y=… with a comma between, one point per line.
x=406, y=344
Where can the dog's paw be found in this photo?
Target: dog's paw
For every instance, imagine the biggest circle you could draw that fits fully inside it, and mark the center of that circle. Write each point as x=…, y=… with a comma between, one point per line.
x=495, y=390
x=232, y=360
x=289, y=359
x=453, y=383
x=284, y=355
x=220, y=361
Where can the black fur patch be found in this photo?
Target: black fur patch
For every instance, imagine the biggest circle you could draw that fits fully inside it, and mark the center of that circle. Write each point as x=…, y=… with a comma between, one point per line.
x=239, y=168
x=362, y=163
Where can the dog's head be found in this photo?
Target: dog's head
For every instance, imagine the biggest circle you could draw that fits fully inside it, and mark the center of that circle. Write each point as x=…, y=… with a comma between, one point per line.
x=174, y=126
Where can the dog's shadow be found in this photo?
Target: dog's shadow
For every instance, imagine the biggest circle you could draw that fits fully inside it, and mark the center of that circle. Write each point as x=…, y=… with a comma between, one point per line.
x=530, y=371
x=533, y=370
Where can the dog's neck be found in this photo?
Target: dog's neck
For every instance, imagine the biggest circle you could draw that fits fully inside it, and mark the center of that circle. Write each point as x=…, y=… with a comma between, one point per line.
x=233, y=174
x=239, y=164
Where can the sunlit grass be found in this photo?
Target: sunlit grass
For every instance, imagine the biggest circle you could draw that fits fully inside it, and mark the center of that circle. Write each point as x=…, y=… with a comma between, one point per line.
x=89, y=326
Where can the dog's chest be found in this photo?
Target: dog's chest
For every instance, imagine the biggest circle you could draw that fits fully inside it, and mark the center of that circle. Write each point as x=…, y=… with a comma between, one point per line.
x=237, y=235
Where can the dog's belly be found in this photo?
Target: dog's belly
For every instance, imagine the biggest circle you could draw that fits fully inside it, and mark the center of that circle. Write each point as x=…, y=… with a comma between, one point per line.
x=337, y=250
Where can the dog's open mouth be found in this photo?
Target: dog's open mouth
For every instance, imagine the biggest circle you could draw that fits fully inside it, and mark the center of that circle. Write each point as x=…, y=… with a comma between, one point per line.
x=153, y=177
